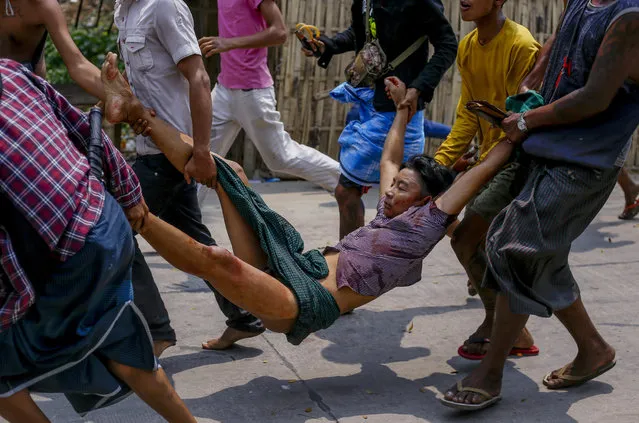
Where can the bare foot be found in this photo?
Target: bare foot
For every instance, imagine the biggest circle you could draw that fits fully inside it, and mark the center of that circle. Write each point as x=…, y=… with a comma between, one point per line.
x=586, y=363
x=121, y=104
x=160, y=346
x=228, y=338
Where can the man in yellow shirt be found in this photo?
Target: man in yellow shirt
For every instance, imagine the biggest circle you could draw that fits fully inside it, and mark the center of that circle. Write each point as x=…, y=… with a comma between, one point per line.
x=493, y=61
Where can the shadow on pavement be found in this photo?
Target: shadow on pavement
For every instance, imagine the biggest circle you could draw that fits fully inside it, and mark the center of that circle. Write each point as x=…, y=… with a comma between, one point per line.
x=179, y=363
x=377, y=390
x=596, y=237
x=376, y=337
x=522, y=398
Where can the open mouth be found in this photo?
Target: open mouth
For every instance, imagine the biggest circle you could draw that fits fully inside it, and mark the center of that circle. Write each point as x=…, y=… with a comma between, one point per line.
x=464, y=5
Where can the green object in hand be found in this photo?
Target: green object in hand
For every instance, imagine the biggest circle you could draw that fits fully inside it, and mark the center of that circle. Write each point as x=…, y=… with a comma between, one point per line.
x=524, y=102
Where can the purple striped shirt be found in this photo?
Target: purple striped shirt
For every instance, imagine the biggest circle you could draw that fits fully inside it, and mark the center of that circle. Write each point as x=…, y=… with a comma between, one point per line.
x=388, y=253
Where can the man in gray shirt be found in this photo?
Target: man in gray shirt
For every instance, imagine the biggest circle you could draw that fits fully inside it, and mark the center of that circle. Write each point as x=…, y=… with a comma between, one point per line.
x=164, y=67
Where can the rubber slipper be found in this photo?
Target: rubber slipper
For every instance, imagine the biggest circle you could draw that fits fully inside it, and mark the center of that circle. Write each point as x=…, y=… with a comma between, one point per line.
x=473, y=340
x=629, y=212
x=524, y=352
x=568, y=381
x=490, y=400
x=515, y=352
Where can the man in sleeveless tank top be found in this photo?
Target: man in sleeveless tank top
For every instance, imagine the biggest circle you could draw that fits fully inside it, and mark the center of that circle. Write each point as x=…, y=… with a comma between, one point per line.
x=24, y=27
x=576, y=143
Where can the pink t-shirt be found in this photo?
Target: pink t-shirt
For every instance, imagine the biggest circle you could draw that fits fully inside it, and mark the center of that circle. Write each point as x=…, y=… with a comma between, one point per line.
x=243, y=68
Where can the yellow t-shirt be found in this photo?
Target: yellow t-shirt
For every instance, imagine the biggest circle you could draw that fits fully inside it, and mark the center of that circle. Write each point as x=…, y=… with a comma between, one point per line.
x=492, y=73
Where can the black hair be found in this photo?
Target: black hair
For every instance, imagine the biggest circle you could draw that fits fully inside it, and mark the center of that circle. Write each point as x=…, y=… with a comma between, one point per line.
x=435, y=178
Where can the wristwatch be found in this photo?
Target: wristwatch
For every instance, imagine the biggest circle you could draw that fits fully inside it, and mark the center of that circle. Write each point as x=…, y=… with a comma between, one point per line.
x=521, y=123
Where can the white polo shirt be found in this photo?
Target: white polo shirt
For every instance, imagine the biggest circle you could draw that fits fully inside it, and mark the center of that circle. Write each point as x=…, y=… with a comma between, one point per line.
x=154, y=36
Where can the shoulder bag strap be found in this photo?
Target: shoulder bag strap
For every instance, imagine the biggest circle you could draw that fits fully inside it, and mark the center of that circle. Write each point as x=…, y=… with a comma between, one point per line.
x=407, y=53
x=367, y=7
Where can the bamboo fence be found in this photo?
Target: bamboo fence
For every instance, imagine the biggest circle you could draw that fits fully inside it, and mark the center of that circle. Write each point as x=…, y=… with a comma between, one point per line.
x=317, y=121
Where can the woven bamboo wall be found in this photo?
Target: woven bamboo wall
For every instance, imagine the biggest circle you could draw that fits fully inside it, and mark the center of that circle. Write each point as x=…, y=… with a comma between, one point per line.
x=298, y=79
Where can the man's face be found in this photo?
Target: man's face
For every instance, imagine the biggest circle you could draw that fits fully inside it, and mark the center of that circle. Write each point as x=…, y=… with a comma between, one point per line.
x=473, y=10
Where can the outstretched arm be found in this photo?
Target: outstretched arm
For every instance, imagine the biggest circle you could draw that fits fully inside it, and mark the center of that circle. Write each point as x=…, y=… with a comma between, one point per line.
x=454, y=200
x=274, y=34
x=393, y=153
x=83, y=72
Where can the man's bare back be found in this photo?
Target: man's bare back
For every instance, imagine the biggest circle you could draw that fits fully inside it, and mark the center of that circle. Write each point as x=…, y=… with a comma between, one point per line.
x=21, y=30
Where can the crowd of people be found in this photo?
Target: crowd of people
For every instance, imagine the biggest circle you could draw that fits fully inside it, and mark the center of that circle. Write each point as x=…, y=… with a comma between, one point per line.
x=80, y=311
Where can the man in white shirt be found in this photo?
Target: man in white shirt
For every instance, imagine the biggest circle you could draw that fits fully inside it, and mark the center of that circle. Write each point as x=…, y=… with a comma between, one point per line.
x=164, y=67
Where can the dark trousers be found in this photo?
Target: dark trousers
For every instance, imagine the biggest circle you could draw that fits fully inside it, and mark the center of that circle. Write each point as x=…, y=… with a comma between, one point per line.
x=169, y=196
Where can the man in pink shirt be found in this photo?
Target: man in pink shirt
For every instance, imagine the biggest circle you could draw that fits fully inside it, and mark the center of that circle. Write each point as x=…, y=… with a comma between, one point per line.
x=244, y=98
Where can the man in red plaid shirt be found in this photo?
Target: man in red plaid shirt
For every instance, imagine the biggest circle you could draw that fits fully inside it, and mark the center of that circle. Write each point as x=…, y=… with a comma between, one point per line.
x=67, y=319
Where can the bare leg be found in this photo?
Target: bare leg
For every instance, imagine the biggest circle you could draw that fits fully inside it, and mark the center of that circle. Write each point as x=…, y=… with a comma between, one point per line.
x=154, y=389
x=488, y=375
x=246, y=247
x=351, y=209
x=631, y=192
x=20, y=408
x=593, y=351
x=121, y=105
x=630, y=189
x=238, y=281
x=468, y=242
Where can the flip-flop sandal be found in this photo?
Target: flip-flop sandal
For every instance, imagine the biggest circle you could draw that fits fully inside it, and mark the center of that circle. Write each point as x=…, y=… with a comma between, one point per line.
x=568, y=381
x=629, y=212
x=473, y=340
x=524, y=352
x=515, y=352
x=490, y=400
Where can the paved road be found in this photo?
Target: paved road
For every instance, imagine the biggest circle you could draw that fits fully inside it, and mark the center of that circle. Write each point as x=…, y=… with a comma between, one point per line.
x=369, y=367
